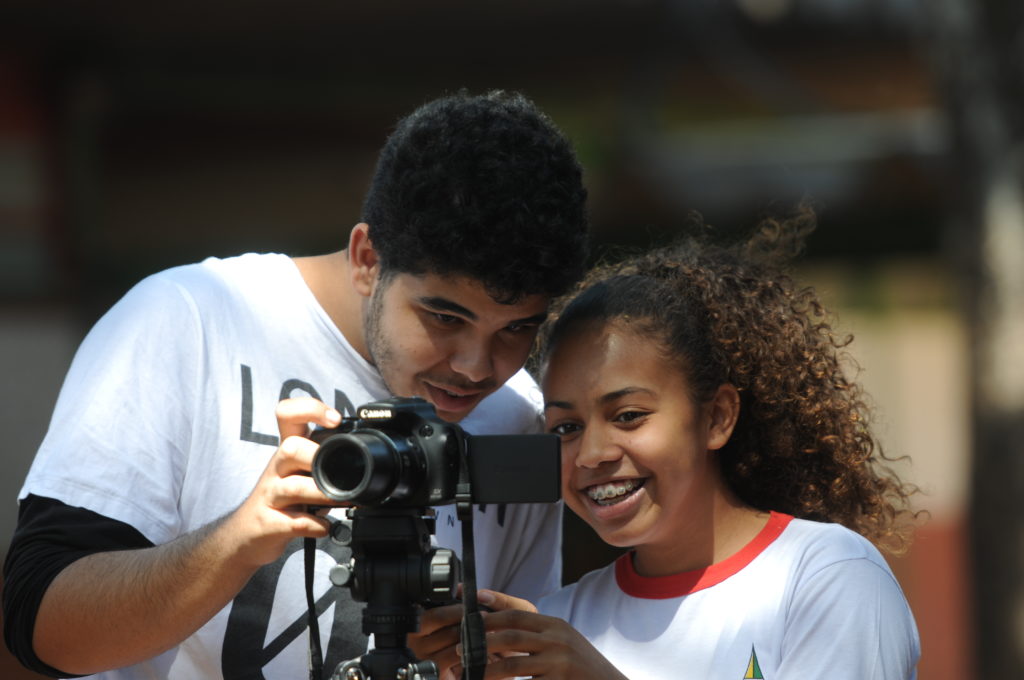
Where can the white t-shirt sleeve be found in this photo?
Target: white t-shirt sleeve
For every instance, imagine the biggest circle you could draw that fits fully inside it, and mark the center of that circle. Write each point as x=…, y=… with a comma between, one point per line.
x=850, y=620
x=531, y=566
x=118, y=440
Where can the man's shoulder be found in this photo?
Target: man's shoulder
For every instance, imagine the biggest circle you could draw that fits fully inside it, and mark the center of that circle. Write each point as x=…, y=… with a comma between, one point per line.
x=238, y=269
x=515, y=408
x=214, y=280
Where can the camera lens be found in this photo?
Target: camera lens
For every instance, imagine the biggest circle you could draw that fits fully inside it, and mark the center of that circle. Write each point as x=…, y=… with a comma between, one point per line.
x=360, y=467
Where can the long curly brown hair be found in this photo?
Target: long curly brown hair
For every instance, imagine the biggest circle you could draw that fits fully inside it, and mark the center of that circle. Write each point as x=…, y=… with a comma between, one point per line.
x=732, y=314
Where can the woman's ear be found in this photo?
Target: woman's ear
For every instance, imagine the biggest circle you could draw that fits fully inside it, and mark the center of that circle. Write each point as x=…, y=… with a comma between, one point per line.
x=723, y=412
x=364, y=264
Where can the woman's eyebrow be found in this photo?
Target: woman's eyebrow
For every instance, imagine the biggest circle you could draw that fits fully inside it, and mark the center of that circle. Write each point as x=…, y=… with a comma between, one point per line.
x=624, y=392
x=605, y=399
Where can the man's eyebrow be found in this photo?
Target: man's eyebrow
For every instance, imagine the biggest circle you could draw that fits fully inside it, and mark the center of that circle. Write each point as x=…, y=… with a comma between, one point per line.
x=445, y=305
x=442, y=304
x=537, y=319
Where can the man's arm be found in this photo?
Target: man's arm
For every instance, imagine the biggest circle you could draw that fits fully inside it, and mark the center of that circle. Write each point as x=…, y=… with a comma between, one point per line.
x=113, y=609
x=50, y=536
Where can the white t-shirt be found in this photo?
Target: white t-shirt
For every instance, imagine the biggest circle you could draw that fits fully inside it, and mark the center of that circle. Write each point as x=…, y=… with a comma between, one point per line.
x=166, y=421
x=803, y=600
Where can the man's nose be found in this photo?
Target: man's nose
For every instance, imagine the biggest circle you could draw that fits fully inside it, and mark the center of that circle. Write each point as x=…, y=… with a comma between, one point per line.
x=474, y=359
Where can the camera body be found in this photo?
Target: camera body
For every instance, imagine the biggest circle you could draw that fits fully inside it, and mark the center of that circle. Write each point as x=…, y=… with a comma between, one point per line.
x=398, y=453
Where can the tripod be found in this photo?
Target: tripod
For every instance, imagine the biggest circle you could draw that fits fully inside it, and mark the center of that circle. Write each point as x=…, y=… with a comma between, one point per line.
x=394, y=570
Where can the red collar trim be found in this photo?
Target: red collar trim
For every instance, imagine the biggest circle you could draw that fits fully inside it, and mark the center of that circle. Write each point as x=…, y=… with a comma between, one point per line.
x=684, y=583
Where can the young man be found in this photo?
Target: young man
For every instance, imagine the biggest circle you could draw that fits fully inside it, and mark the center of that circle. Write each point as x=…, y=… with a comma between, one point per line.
x=159, y=525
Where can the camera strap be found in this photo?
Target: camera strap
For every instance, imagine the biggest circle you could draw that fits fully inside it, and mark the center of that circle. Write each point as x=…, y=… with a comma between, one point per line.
x=316, y=656
x=474, y=642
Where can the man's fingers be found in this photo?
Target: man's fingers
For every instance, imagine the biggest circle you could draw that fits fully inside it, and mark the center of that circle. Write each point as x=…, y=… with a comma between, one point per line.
x=294, y=455
x=294, y=490
x=309, y=526
x=294, y=416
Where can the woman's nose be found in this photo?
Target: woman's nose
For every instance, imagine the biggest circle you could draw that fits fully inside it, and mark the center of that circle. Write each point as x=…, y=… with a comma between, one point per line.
x=596, y=448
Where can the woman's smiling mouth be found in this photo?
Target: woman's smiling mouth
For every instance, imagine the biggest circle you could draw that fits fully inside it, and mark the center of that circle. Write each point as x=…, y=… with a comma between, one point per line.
x=614, y=492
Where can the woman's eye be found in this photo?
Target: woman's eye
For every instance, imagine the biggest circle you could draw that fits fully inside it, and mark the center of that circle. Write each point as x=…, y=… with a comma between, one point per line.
x=563, y=429
x=630, y=416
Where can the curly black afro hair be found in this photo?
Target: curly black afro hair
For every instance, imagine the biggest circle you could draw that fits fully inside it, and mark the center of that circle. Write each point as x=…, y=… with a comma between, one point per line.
x=733, y=314
x=484, y=187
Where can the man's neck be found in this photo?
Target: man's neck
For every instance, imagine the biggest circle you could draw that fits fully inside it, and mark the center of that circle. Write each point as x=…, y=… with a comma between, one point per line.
x=328, y=278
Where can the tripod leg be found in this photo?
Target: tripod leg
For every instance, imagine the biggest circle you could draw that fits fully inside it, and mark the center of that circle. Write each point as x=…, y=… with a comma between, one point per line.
x=349, y=670
x=421, y=670
x=354, y=670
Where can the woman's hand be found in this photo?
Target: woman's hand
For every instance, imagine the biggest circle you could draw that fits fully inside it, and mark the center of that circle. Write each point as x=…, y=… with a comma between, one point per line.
x=438, y=638
x=528, y=644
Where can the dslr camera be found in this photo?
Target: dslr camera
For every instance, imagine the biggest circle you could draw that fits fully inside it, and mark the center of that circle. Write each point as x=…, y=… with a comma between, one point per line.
x=398, y=453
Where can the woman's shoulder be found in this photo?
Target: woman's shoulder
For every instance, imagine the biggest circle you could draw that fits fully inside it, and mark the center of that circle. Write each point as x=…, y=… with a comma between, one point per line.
x=816, y=545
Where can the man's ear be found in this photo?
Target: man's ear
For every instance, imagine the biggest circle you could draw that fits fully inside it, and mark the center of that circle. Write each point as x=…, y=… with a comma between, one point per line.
x=723, y=412
x=364, y=265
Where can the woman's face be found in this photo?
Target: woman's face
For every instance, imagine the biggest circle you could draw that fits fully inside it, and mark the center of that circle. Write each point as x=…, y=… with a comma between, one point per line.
x=637, y=460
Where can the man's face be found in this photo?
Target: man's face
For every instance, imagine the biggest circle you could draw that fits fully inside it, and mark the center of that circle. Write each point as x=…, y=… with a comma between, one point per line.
x=446, y=340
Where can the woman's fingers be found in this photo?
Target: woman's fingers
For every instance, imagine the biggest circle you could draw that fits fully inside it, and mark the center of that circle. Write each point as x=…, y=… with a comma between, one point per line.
x=438, y=636
x=500, y=601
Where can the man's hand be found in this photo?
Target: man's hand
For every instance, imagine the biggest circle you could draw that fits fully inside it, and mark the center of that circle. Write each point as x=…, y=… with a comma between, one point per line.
x=277, y=509
x=114, y=609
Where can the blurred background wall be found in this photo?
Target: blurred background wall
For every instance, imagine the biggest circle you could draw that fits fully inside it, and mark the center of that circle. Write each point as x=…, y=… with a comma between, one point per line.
x=136, y=136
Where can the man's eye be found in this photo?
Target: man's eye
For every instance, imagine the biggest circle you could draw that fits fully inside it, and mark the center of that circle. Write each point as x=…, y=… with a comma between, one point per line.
x=517, y=327
x=446, y=319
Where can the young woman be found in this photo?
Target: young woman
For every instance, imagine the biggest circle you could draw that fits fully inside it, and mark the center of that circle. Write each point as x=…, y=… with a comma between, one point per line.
x=707, y=423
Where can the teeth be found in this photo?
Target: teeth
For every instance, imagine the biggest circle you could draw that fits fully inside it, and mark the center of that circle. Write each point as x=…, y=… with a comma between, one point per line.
x=612, y=490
